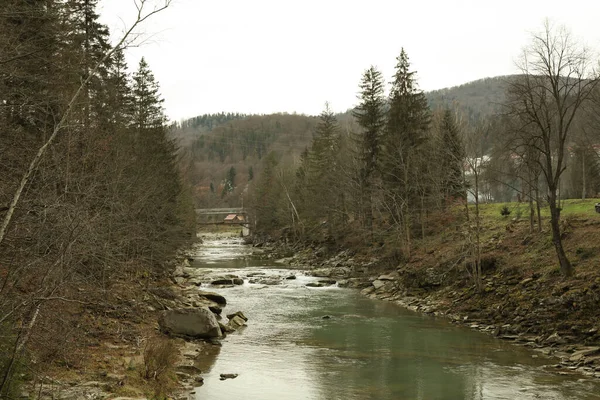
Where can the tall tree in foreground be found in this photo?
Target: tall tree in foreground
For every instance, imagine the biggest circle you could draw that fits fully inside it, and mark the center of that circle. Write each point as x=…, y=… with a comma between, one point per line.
x=557, y=79
x=405, y=132
x=370, y=115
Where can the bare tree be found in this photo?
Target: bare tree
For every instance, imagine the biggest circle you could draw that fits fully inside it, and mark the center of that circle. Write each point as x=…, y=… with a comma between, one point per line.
x=557, y=79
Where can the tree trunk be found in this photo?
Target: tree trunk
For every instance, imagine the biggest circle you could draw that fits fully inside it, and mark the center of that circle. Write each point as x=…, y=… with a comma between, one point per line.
x=583, y=177
x=539, y=211
x=565, y=266
x=478, y=271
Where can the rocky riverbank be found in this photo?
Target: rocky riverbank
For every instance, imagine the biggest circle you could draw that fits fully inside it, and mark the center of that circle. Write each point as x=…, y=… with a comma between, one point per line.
x=552, y=315
x=158, y=345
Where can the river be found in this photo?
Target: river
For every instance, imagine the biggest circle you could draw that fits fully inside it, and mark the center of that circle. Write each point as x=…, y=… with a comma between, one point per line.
x=362, y=349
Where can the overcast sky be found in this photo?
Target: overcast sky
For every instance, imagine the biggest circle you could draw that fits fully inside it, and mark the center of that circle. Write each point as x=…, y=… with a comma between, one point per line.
x=264, y=56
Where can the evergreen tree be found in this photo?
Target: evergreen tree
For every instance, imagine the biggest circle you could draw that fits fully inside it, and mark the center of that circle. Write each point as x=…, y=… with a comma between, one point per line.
x=370, y=115
x=87, y=42
x=452, y=154
x=147, y=103
x=119, y=107
x=321, y=203
x=405, y=132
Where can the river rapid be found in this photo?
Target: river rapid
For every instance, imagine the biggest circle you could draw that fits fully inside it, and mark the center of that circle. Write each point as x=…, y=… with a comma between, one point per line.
x=332, y=343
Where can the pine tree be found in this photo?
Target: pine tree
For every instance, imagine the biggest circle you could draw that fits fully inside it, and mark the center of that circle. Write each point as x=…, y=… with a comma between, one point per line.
x=87, y=42
x=147, y=103
x=322, y=167
x=370, y=115
x=452, y=154
x=409, y=116
x=119, y=106
x=405, y=132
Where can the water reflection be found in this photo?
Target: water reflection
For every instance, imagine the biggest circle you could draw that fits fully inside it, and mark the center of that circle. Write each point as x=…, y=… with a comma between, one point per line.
x=365, y=350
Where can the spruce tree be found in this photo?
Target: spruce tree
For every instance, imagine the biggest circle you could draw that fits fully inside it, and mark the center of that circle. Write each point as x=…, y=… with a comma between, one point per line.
x=452, y=154
x=405, y=132
x=370, y=115
x=147, y=103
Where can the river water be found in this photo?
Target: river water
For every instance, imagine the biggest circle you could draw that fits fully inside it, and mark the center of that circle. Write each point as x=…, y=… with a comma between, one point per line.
x=366, y=349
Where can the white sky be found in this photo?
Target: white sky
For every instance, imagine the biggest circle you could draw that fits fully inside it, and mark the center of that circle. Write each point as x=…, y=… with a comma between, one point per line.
x=264, y=56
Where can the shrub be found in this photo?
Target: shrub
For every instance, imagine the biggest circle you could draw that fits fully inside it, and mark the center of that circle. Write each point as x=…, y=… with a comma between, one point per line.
x=160, y=356
x=504, y=211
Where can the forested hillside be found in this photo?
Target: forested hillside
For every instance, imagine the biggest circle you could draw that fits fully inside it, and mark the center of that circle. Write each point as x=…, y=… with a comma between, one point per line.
x=477, y=100
x=216, y=143
x=90, y=193
x=220, y=162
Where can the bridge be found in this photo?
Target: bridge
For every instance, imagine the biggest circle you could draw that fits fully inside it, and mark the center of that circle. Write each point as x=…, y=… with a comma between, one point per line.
x=217, y=216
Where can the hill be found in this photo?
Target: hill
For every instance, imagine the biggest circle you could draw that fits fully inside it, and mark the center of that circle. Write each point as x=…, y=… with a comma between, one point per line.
x=219, y=146
x=476, y=99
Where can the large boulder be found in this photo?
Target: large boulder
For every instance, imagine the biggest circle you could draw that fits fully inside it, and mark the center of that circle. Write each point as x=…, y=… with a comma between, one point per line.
x=191, y=322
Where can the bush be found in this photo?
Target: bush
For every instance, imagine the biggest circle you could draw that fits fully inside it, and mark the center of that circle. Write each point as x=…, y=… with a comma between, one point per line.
x=504, y=211
x=160, y=356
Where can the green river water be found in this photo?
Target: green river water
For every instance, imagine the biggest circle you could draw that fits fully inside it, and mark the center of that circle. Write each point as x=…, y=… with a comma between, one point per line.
x=367, y=349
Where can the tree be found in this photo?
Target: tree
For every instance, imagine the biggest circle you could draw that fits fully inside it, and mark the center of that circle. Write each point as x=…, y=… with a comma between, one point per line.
x=317, y=184
x=405, y=132
x=53, y=235
x=229, y=183
x=452, y=155
x=556, y=81
x=147, y=104
x=370, y=116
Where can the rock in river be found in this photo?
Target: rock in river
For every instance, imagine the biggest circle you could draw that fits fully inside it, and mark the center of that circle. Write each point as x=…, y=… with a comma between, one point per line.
x=217, y=298
x=191, y=322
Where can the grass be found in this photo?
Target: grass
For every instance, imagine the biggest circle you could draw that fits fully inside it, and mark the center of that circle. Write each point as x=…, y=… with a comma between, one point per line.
x=572, y=207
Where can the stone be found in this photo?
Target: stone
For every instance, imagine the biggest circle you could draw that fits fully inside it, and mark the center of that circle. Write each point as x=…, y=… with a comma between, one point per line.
x=222, y=282
x=226, y=328
x=237, y=281
x=314, y=284
x=215, y=309
x=581, y=353
x=392, y=276
x=526, y=281
x=328, y=282
x=367, y=291
x=188, y=369
x=290, y=277
x=228, y=376
x=239, y=314
x=236, y=322
x=217, y=298
x=191, y=322
x=378, y=284
x=555, y=339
